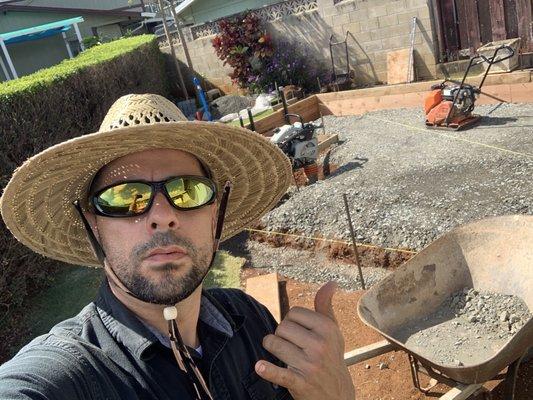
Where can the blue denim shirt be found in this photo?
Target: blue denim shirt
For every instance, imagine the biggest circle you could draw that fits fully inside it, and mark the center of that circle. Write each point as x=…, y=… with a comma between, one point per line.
x=106, y=352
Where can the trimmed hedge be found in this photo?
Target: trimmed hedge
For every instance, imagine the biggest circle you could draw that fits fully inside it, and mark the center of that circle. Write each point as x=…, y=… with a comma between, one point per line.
x=52, y=105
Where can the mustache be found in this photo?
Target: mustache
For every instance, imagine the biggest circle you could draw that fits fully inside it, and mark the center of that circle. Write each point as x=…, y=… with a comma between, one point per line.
x=162, y=239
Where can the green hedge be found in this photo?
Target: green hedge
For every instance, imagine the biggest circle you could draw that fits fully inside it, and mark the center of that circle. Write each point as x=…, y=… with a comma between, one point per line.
x=52, y=105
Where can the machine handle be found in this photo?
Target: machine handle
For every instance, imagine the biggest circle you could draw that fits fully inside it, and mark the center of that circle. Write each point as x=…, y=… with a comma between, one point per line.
x=492, y=60
x=295, y=116
x=509, y=49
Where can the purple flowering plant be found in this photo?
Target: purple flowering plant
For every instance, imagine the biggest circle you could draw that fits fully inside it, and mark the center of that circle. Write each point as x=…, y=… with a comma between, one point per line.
x=258, y=62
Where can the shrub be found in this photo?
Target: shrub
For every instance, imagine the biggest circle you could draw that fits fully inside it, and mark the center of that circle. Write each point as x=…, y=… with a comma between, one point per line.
x=257, y=62
x=291, y=64
x=243, y=45
x=91, y=41
x=50, y=106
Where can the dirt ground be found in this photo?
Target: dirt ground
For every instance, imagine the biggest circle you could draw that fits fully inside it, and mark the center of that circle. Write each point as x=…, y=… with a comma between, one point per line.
x=394, y=382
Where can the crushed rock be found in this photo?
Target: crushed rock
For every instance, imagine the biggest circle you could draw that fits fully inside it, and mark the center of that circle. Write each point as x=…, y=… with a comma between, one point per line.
x=311, y=267
x=468, y=328
x=406, y=187
x=230, y=104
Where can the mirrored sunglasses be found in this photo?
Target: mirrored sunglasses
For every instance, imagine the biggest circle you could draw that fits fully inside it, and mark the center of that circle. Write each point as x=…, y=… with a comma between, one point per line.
x=132, y=198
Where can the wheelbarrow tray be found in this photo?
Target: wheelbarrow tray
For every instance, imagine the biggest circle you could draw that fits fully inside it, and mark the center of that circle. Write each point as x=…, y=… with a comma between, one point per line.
x=494, y=254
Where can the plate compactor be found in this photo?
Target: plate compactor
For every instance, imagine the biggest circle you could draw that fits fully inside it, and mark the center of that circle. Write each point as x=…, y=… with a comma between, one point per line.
x=449, y=105
x=300, y=143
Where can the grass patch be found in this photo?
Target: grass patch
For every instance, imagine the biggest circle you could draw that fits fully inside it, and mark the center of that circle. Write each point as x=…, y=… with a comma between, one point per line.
x=75, y=287
x=259, y=116
x=226, y=271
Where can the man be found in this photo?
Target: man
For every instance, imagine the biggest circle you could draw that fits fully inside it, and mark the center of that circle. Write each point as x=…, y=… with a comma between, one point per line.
x=148, y=197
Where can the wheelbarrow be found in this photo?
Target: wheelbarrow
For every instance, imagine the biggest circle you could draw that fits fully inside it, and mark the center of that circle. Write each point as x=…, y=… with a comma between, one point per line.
x=494, y=255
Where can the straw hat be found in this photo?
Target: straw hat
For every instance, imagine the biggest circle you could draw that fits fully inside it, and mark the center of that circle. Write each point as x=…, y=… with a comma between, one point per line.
x=37, y=202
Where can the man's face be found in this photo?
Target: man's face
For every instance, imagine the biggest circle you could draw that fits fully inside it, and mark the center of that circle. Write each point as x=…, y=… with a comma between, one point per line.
x=164, y=254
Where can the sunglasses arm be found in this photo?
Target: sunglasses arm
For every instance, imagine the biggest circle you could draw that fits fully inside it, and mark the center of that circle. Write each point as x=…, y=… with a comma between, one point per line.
x=98, y=250
x=222, y=213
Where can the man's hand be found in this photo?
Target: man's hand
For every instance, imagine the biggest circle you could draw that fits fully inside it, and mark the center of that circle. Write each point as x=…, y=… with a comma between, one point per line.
x=312, y=346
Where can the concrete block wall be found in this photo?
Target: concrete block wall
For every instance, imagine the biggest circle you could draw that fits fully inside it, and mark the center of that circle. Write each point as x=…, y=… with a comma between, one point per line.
x=375, y=27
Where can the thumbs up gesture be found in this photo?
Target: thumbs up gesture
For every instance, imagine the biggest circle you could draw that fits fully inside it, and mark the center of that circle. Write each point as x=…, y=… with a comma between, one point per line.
x=312, y=346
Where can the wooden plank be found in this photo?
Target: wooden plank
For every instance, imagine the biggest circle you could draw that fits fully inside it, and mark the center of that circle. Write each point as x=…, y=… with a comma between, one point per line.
x=462, y=24
x=461, y=392
x=324, y=144
x=449, y=23
x=398, y=66
x=511, y=19
x=525, y=28
x=265, y=289
x=367, y=352
x=307, y=108
x=472, y=21
x=497, y=20
x=522, y=93
x=437, y=18
x=485, y=28
x=495, y=94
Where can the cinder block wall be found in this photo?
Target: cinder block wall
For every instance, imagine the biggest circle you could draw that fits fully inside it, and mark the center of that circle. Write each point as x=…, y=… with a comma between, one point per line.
x=375, y=27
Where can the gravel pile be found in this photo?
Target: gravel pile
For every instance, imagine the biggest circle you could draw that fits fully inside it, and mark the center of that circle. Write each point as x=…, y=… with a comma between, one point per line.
x=306, y=266
x=468, y=328
x=408, y=185
x=496, y=314
x=230, y=104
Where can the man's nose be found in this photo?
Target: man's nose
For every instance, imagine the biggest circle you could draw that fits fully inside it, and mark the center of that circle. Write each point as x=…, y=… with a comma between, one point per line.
x=162, y=216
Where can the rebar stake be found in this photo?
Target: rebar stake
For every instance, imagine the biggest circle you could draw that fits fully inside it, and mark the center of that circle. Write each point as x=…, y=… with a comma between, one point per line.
x=357, y=262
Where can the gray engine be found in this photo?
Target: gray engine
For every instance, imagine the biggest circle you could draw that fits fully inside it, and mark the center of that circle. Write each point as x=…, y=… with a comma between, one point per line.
x=299, y=142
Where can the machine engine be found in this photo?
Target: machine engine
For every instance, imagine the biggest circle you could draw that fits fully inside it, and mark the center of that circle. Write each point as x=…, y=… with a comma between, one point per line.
x=449, y=105
x=298, y=141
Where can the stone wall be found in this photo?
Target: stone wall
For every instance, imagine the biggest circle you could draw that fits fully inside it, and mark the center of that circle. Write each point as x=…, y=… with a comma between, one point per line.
x=374, y=28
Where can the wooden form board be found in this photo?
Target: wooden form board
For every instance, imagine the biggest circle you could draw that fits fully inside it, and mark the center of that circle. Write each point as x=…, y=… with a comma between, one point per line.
x=266, y=290
x=324, y=141
x=496, y=79
x=398, y=66
x=307, y=108
x=354, y=105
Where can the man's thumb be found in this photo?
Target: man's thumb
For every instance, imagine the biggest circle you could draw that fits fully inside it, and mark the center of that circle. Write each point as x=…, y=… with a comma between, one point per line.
x=323, y=300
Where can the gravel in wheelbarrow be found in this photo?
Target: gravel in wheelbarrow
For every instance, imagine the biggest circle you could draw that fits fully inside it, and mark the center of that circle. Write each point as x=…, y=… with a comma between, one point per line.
x=468, y=328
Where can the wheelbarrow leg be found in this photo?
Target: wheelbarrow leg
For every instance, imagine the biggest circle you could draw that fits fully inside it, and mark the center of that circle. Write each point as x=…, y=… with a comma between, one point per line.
x=415, y=375
x=510, y=379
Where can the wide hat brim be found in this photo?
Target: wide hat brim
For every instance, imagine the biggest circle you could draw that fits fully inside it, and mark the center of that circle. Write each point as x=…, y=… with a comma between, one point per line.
x=37, y=202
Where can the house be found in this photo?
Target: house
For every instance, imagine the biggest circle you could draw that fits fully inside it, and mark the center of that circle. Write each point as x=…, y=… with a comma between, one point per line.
x=200, y=11
x=36, y=34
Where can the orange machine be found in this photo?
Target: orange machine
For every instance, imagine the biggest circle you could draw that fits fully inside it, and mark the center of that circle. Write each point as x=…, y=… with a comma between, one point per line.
x=449, y=105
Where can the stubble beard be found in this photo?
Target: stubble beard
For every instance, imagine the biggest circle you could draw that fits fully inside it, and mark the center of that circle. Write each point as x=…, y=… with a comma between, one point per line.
x=171, y=287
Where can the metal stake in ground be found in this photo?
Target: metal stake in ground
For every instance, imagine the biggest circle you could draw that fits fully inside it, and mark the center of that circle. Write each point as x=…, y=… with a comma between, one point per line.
x=251, y=119
x=357, y=262
x=172, y=51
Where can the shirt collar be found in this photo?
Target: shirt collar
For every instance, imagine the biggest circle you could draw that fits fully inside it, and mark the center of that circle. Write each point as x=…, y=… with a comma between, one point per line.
x=209, y=314
x=137, y=337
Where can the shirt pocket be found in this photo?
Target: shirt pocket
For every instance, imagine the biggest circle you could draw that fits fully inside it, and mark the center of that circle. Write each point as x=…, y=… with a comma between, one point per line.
x=260, y=389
